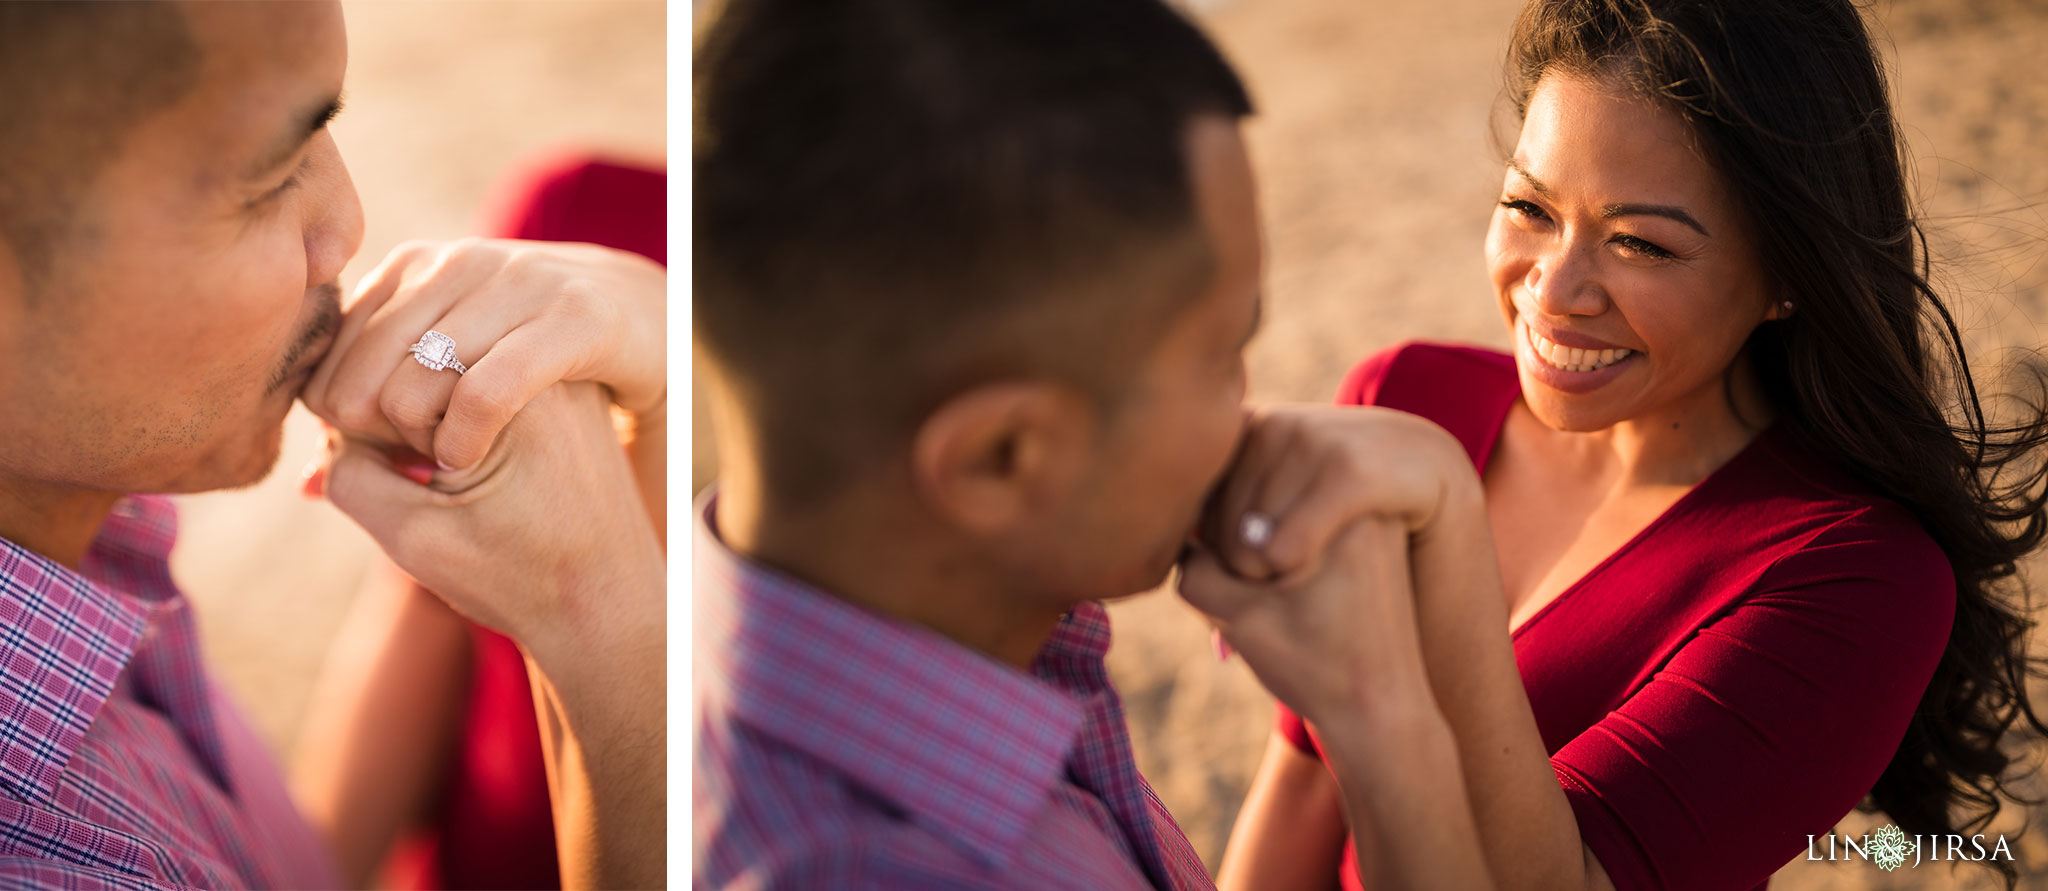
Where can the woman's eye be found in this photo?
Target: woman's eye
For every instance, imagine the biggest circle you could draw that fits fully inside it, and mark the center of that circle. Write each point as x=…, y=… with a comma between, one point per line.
x=1524, y=208
x=1637, y=245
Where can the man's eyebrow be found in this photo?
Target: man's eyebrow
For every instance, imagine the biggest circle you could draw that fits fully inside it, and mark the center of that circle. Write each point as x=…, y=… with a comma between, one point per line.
x=309, y=123
x=1653, y=210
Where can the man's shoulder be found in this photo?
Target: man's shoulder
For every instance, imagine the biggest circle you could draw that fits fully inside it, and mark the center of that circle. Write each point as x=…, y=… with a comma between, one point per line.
x=753, y=791
x=768, y=815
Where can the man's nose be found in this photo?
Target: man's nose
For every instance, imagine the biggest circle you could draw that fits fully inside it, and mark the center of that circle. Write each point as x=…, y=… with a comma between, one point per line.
x=333, y=225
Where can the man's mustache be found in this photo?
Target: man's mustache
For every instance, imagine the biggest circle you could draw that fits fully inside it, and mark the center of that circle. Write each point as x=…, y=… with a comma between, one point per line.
x=327, y=323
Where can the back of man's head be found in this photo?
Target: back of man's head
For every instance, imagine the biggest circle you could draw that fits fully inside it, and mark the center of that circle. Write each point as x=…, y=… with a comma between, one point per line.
x=899, y=199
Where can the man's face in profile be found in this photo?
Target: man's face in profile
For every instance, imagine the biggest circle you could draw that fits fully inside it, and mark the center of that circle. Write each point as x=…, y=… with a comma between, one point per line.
x=196, y=288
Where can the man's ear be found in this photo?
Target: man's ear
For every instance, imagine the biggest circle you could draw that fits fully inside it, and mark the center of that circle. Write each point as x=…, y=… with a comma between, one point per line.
x=993, y=455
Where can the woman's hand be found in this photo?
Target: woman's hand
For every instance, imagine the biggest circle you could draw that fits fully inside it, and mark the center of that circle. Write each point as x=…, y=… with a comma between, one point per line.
x=1305, y=472
x=543, y=540
x=523, y=315
x=1342, y=647
x=1334, y=643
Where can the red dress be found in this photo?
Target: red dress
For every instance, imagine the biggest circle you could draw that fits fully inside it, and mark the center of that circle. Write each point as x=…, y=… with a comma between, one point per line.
x=1731, y=680
x=492, y=826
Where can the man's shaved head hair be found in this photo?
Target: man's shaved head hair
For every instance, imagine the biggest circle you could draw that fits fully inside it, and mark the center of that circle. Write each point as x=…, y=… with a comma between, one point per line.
x=74, y=78
x=897, y=200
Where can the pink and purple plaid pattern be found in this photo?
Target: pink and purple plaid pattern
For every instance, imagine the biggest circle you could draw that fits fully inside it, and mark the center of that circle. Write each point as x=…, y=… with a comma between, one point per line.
x=838, y=749
x=121, y=764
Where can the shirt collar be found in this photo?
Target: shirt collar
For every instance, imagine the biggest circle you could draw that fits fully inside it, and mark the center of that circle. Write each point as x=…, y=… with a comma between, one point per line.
x=66, y=635
x=967, y=746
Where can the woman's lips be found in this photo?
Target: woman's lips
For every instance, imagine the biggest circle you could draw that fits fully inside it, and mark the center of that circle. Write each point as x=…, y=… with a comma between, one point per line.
x=1569, y=369
x=1569, y=358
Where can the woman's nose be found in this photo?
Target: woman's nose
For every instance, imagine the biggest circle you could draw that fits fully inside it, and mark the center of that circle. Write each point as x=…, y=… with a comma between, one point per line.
x=1563, y=282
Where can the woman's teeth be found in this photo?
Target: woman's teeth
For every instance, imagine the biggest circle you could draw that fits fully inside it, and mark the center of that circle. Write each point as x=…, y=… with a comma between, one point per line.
x=1570, y=359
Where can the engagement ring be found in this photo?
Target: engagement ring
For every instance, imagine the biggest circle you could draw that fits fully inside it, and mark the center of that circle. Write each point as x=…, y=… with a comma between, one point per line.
x=437, y=351
x=1256, y=529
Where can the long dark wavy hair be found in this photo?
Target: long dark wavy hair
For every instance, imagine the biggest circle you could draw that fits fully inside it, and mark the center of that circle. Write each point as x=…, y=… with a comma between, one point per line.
x=1788, y=101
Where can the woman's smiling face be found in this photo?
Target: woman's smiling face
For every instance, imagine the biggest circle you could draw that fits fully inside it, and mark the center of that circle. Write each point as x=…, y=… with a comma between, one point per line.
x=1622, y=265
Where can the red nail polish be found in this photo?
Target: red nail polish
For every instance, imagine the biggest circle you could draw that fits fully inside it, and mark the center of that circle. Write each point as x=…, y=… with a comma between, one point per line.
x=418, y=473
x=316, y=484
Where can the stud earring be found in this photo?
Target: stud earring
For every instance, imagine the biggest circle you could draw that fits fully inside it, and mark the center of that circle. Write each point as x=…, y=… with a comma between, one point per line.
x=1788, y=307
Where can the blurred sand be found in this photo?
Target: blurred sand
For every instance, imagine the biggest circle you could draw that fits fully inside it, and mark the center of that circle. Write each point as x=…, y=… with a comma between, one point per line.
x=442, y=98
x=1378, y=175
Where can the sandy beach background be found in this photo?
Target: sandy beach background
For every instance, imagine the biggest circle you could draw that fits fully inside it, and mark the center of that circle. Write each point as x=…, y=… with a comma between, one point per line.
x=1377, y=173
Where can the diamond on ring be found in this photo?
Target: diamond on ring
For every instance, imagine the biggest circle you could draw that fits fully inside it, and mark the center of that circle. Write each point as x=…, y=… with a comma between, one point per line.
x=1256, y=529
x=437, y=351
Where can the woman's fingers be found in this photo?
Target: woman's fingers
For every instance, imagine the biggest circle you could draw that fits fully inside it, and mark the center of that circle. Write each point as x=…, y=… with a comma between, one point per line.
x=1301, y=474
x=415, y=398
x=1214, y=589
x=1267, y=442
x=524, y=362
x=587, y=316
x=370, y=293
x=1311, y=514
x=385, y=335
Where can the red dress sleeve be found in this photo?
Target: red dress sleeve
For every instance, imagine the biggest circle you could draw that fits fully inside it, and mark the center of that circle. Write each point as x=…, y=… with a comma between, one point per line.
x=1713, y=774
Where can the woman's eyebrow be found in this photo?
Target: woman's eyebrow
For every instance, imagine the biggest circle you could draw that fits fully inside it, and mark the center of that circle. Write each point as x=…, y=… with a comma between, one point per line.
x=1618, y=210
x=1515, y=164
x=308, y=123
x=1653, y=210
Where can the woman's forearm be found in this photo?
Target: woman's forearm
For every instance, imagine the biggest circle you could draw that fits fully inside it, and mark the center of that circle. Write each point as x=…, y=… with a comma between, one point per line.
x=1386, y=739
x=1530, y=834
x=1289, y=835
x=601, y=693
x=382, y=721
x=1397, y=768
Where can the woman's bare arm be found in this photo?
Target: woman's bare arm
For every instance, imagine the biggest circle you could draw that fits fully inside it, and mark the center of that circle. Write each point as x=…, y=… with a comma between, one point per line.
x=1290, y=834
x=382, y=722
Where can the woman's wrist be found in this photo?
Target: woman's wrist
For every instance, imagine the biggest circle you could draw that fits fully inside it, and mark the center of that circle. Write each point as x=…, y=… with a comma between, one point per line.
x=1378, y=713
x=610, y=618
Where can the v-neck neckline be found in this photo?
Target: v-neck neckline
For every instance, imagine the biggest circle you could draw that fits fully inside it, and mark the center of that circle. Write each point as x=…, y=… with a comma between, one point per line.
x=1671, y=513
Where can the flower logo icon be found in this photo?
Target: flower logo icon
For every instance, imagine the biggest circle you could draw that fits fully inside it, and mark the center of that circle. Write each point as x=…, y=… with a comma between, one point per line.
x=1889, y=847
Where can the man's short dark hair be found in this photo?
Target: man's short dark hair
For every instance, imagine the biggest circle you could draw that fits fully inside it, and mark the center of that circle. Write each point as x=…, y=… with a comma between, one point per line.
x=897, y=199
x=74, y=79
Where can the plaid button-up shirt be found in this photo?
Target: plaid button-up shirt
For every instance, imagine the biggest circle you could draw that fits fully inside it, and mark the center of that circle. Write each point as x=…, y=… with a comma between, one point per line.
x=121, y=764
x=839, y=749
